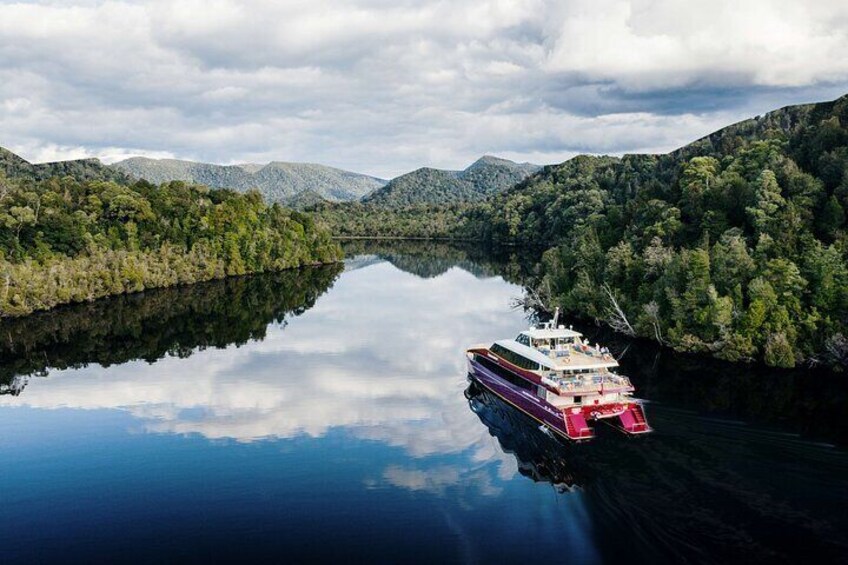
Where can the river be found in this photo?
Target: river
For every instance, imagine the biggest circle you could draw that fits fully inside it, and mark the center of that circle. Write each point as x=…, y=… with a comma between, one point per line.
x=325, y=415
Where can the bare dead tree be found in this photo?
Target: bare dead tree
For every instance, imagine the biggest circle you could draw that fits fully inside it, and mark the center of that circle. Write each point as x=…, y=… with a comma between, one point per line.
x=616, y=318
x=623, y=352
x=5, y=188
x=538, y=298
x=836, y=350
x=652, y=310
x=37, y=209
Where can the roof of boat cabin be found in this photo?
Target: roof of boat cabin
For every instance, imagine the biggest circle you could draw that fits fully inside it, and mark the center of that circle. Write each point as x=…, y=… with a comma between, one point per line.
x=542, y=333
x=528, y=352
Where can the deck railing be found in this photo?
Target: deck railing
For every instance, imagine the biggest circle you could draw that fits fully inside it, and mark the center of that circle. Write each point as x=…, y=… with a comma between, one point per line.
x=591, y=382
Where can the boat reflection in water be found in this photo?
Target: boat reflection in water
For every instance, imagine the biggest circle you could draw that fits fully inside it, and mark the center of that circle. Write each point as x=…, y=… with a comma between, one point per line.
x=699, y=490
x=540, y=456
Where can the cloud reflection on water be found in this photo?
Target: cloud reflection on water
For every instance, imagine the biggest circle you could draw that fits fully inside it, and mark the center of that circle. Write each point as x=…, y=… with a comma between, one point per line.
x=388, y=370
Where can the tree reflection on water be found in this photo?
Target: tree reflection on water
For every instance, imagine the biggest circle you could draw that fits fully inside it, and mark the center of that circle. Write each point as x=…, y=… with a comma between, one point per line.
x=157, y=323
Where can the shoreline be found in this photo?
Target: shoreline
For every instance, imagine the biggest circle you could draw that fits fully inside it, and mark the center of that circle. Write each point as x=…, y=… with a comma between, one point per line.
x=4, y=317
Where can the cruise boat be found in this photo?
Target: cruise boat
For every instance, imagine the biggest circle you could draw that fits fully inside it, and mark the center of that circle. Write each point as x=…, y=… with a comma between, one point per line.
x=551, y=375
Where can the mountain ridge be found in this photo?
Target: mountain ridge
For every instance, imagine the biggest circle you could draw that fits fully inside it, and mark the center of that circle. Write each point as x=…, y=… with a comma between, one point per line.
x=427, y=185
x=278, y=181
x=294, y=184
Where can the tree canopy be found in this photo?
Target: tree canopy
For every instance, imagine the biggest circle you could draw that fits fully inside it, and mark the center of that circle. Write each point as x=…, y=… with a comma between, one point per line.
x=67, y=240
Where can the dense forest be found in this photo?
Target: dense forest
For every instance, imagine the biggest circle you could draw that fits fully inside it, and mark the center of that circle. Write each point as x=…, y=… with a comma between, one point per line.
x=357, y=219
x=68, y=240
x=735, y=245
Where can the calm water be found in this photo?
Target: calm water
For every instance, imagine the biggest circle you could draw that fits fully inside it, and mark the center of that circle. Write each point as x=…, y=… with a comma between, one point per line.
x=325, y=415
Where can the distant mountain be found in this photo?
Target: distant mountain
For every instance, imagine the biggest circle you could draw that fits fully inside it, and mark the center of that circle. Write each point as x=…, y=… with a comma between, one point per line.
x=14, y=166
x=485, y=176
x=277, y=181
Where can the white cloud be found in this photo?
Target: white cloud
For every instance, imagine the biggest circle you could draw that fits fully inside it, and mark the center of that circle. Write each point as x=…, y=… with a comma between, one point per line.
x=383, y=87
x=660, y=44
x=45, y=152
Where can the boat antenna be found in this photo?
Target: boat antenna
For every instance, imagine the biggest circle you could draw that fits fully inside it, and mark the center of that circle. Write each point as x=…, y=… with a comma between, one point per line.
x=556, y=318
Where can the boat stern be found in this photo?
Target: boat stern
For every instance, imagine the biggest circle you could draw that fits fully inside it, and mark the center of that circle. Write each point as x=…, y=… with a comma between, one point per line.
x=576, y=427
x=632, y=420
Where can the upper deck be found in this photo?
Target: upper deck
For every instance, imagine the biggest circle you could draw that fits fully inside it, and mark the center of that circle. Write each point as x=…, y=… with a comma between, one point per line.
x=585, y=373
x=564, y=349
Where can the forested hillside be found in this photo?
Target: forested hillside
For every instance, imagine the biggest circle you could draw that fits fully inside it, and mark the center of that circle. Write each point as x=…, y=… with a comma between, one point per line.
x=303, y=200
x=277, y=181
x=487, y=175
x=734, y=245
x=65, y=240
x=424, y=203
x=355, y=219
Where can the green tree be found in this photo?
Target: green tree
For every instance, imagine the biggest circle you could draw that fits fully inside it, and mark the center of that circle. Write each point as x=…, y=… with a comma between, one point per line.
x=697, y=179
x=832, y=217
x=768, y=203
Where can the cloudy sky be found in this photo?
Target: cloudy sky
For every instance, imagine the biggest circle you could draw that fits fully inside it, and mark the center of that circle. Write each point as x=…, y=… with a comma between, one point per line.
x=385, y=86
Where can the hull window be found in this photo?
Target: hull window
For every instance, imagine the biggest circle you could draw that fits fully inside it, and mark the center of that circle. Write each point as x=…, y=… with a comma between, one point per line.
x=505, y=374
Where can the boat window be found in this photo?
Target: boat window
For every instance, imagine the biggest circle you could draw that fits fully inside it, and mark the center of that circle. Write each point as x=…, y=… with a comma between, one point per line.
x=514, y=358
x=578, y=399
x=523, y=339
x=504, y=373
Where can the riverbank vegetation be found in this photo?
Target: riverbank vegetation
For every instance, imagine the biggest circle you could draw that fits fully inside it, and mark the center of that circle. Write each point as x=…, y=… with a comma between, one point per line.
x=65, y=240
x=357, y=219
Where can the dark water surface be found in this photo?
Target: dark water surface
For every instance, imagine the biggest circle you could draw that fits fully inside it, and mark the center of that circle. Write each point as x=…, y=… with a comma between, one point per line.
x=325, y=415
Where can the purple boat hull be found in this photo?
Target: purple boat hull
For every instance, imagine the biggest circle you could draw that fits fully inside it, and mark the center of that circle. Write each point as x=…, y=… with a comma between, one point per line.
x=524, y=400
